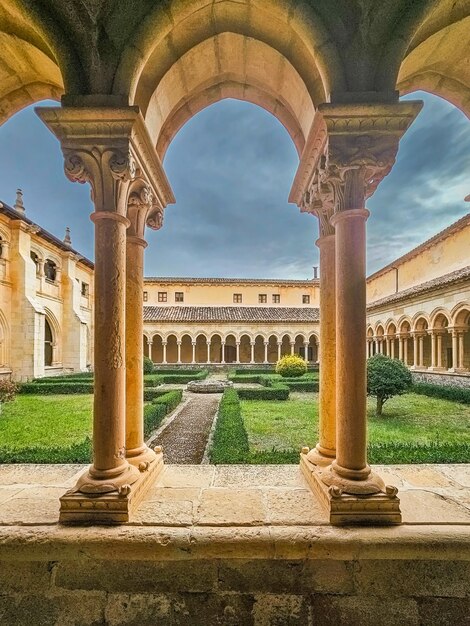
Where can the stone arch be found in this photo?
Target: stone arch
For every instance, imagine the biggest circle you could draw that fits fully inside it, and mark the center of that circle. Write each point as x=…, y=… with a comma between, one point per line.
x=215, y=347
x=259, y=348
x=460, y=314
x=230, y=350
x=245, y=347
x=171, y=348
x=313, y=343
x=201, y=347
x=439, y=318
x=52, y=339
x=157, y=348
x=272, y=348
x=420, y=322
x=4, y=341
x=303, y=40
x=285, y=339
x=186, y=347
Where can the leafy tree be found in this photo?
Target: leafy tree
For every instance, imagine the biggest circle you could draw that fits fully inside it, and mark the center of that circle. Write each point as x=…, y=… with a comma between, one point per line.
x=291, y=365
x=148, y=365
x=8, y=391
x=386, y=378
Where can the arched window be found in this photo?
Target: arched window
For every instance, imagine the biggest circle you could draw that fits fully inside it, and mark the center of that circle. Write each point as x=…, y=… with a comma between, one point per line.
x=47, y=344
x=50, y=270
x=35, y=259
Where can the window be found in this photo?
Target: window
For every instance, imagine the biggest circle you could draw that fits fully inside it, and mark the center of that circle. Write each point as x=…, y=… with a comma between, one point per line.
x=276, y=298
x=262, y=298
x=85, y=290
x=237, y=298
x=305, y=299
x=162, y=296
x=179, y=296
x=50, y=270
x=35, y=259
x=146, y=296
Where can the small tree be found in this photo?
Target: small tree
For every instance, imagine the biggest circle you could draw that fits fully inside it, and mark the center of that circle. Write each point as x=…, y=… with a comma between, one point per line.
x=291, y=365
x=386, y=378
x=148, y=365
x=8, y=391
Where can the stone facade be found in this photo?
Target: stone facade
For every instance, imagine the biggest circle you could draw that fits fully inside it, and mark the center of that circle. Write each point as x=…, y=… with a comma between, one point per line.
x=46, y=300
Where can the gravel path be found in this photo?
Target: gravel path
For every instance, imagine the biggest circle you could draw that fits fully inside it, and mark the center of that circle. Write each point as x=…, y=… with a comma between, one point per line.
x=184, y=439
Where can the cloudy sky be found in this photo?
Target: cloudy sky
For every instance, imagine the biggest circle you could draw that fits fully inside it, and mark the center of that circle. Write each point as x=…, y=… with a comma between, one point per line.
x=231, y=168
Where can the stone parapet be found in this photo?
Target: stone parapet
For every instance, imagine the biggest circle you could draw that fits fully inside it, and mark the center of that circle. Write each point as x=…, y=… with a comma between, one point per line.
x=442, y=378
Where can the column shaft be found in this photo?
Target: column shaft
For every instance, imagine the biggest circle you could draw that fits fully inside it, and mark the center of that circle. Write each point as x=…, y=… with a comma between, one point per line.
x=461, y=348
x=439, y=350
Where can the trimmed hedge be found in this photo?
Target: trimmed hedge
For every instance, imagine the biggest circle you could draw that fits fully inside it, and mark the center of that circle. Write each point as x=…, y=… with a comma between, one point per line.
x=158, y=409
x=230, y=443
x=309, y=386
x=276, y=392
x=434, y=452
x=53, y=380
x=444, y=392
x=178, y=372
x=75, y=453
x=66, y=388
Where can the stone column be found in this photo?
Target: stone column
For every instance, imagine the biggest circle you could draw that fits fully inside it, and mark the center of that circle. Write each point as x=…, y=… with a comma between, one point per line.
x=392, y=347
x=109, y=148
x=193, y=343
x=292, y=347
x=222, y=360
x=400, y=349
x=164, y=344
x=136, y=450
x=178, y=347
x=439, y=350
x=415, y=351
x=266, y=343
x=252, y=346
x=433, y=350
x=306, y=345
x=461, y=351
x=421, y=350
x=279, y=345
x=325, y=450
x=238, y=352
x=405, y=350
x=208, y=344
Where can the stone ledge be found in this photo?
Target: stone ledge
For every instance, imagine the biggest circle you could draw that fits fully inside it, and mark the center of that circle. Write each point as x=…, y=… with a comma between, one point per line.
x=149, y=543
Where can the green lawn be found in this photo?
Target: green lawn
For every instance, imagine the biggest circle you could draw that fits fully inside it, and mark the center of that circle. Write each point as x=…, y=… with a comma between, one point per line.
x=59, y=420
x=409, y=421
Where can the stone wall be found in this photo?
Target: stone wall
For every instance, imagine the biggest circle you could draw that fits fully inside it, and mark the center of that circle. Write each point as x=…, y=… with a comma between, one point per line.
x=442, y=378
x=238, y=592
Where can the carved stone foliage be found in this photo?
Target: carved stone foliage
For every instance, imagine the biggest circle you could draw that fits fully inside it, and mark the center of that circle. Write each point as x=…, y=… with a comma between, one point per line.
x=359, y=151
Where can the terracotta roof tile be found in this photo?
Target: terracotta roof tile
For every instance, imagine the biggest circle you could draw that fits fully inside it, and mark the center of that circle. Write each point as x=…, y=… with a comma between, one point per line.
x=229, y=314
x=436, y=283
x=162, y=280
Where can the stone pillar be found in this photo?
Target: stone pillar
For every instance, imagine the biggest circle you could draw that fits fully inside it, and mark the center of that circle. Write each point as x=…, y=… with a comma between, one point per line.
x=421, y=350
x=415, y=351
x=461, y=351
x=400, y=349
x=136, y=450
x=208, y=344
x=292, y=347
x=325, y=450
x=405, y=350
x=433, y=350
x=222, y=360
x=306, y=345
x=439, y=350
x=164, y=344
x=392, y=347
x=238, y=352
x=193, y=343
x=455, y=349
x=178, y=347
x=110, y=148
x=252, y=346
x=279, y=345
x=266, y=343
x=350, y=470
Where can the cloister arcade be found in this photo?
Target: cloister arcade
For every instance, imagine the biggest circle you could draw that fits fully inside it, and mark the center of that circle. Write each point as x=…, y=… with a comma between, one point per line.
x=129, y=75
x=438, y=342
x=193, y=347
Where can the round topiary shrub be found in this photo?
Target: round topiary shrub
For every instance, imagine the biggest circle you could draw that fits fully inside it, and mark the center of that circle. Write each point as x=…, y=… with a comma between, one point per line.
x=386, y=378
x=148, y=365
x=290, y=366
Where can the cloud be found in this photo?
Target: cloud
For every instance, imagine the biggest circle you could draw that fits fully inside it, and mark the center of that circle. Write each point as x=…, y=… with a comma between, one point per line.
x=231, y=168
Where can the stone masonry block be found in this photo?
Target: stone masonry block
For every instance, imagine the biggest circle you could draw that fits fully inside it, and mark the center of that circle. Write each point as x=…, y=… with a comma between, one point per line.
x=260, y=576
x=363, y=611
x=280, y=610
x=444, y=611
x=416, y=578
x=25, y=576
x=138, y=577
x=203, y=609
x=138, y=609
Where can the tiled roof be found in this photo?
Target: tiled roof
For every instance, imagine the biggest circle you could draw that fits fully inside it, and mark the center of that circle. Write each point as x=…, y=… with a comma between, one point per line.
x=436, y=283
x=169, y=280
x=443, y=234
x=45, y=234
x=229, y=314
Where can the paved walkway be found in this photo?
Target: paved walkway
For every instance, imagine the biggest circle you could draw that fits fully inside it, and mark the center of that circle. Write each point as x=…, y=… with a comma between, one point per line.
x=185, y=438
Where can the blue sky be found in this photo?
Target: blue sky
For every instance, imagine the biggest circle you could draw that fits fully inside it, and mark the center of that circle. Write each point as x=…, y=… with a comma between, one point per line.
x=231, y=168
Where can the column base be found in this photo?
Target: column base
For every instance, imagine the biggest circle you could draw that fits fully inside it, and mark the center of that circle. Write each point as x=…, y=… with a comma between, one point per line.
x=320, y=456
x=381, y=508
x=115, y=507
x=141, y=457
